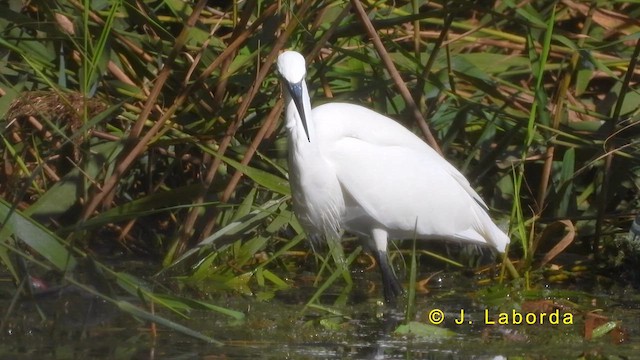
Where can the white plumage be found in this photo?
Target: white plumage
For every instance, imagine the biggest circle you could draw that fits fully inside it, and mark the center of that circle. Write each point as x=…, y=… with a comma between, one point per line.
x=352, y=168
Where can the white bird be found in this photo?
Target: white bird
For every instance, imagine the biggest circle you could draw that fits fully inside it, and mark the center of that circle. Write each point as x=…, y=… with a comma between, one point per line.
x=354, y=169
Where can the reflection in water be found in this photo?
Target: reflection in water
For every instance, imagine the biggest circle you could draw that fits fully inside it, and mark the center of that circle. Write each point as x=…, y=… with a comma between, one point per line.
x=68, y=323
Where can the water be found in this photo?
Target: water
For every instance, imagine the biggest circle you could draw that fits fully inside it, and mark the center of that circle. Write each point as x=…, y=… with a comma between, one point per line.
x=73, y=325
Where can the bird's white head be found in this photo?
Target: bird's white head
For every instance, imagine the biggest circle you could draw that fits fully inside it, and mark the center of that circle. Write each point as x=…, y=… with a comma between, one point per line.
x=292, y=69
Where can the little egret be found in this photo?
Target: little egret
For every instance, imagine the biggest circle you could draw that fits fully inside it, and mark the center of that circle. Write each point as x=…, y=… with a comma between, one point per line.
x=354, y=169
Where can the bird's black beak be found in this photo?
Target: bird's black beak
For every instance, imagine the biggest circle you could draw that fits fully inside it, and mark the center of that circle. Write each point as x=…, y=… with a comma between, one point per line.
x=295, y=90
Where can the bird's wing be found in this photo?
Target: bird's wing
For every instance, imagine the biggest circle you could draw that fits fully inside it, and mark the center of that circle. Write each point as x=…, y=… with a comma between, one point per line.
x=457, y=175
x=403, y=189
x=335, y=121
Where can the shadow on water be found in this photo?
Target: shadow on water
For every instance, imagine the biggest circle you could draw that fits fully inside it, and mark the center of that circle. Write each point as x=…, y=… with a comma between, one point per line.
x=69, y=324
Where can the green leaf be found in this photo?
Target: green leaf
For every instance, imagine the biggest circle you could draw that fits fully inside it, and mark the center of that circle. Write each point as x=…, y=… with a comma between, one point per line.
x=269, y=181
x=603, y=329
x=236, y=228
x=59, y=198
x=275, y=279
x=249, y=249
x=39, y=238
x=490, y=63
x=528, y=12
x=177, y=304
x=583, y=76
x=246, y=205
x=197, y=304
x=331, y=324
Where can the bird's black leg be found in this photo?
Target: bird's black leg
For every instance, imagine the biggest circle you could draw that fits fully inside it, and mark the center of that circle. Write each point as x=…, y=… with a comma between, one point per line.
x=390, y=285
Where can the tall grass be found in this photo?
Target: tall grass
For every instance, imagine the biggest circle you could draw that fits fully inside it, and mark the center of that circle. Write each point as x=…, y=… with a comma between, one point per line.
x=155, y=125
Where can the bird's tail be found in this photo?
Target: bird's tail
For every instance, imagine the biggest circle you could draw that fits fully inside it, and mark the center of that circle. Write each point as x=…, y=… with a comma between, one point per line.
x=491, y=232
